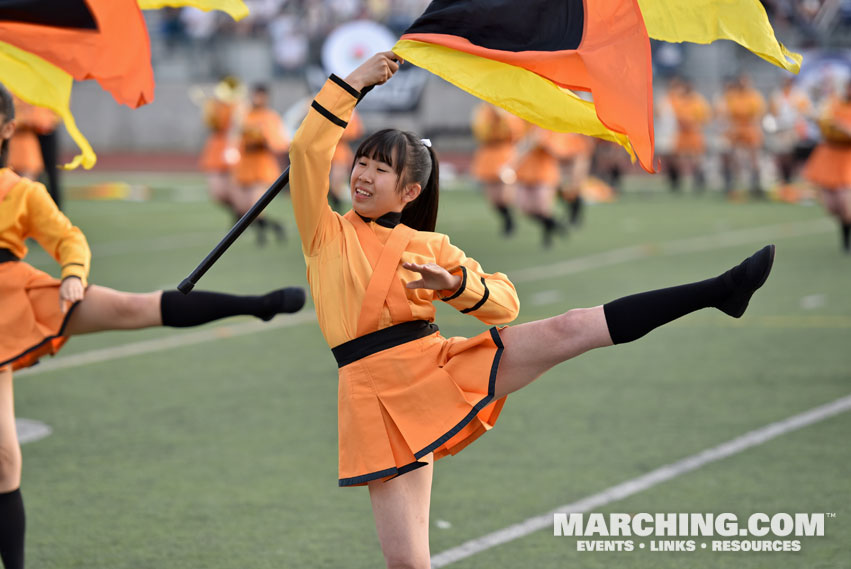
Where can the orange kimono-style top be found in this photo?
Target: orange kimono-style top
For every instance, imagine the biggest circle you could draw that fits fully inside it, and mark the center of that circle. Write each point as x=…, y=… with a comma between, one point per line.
x=218, y=117
x=338, y=248
x=744, y=110
x=263, y=138
x=496, y=131
x=692, y=112
x=27, y=210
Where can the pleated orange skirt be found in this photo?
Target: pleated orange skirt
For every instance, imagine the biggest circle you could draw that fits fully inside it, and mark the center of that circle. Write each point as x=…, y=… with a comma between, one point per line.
x=829, y=166
x=257, y=168
x=213, y=155
x=427, y=395
x=31, y=320
x=490, y=159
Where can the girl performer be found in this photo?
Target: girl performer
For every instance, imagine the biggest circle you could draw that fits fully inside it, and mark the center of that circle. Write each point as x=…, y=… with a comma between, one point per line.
x=38, y=313
x=408, y=396
x=830, y=164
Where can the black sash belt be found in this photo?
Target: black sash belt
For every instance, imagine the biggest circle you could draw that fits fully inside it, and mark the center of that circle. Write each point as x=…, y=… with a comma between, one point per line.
x=383, y=339
x=6, y=256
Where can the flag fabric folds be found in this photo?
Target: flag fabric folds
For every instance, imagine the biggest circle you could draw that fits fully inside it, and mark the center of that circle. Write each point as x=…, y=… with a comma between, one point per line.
x=600, y=47
x=117, y=54
x=236, y=9
x=46, y=44
x=45, y=85
x=704, y=21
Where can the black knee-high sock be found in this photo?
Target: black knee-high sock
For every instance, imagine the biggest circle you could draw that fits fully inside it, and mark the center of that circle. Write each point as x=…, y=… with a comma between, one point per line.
x=845, y=229
x=180, y=310
x=631, y=317
x=12, y=526
x=507, y=219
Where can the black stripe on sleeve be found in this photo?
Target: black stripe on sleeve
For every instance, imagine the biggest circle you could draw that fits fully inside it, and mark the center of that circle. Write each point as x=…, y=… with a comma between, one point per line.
x=329, y=115
x=482, y=301
x=73, y=265
x=348, y=88
x=461, y=288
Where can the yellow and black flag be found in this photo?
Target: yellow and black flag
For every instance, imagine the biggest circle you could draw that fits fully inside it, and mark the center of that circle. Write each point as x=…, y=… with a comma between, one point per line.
x=528, y=56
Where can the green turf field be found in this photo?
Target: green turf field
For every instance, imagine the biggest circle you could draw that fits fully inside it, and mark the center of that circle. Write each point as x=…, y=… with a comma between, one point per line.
x=221, y=452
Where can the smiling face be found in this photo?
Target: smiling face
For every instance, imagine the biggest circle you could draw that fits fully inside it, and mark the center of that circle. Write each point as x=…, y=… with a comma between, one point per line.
x=375, y=182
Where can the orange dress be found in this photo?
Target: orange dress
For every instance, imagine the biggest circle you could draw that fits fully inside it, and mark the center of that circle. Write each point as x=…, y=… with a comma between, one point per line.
x=830, y=164
x=744, y=109
x=263, y=139
x=496, y=131
x=24, y=150
x=218, y=116
x=404, y=390
x=540, y=164
x=31, y=320
x=692, y=113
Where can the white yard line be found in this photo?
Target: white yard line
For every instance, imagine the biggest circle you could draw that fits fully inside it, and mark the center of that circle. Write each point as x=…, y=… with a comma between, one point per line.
x=644, y=482
x=167, y=343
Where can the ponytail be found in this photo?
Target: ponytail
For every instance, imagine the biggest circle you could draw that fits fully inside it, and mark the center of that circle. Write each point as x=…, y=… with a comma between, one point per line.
x=421, y=214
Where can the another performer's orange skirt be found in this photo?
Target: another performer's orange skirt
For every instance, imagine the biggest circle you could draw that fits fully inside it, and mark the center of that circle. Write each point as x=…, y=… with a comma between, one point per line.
x=690, y=142
x=490, y=159
x=257, y=168
x=829, y=166
x=31, y=320
x=213, y=157
x=745, y=136
x=538, y=167
x=413, y=394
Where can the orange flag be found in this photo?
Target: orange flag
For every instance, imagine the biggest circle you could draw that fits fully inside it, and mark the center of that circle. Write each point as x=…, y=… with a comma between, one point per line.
x=115, y=51
x=598, y=46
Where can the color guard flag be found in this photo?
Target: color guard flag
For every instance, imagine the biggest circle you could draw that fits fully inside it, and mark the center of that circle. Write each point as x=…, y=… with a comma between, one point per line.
x=704, y=21
x=525, y=56
x=47, y=43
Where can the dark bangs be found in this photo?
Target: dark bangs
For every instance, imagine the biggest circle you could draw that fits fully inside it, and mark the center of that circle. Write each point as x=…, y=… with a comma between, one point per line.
x=384, y=145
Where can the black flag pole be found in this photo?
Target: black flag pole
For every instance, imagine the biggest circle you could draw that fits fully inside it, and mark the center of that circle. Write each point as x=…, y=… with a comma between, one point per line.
x=240, y=226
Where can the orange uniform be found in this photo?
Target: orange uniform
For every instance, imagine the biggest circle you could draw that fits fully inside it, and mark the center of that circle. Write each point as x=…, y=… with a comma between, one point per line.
x=496, y=131
x=262, y=139
x=830, y=164
x=540, y=164
x=218, y=116
x=744, y=109
x=692, y=112
x=31, y=320
x=404, y=390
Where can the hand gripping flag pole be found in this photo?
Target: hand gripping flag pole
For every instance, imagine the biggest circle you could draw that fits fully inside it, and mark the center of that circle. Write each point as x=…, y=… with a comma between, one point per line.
x=240, y=226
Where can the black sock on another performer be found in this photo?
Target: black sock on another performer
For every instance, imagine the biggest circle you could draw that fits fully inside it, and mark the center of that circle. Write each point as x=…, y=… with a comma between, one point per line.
x=507, y=219
x=180, y=310
x=12, y=528
x=631, y=317
x=846, y=237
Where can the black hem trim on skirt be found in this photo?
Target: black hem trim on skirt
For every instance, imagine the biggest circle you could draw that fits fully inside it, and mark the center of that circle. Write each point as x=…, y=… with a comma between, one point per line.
x=46, y=340
x=484, y=402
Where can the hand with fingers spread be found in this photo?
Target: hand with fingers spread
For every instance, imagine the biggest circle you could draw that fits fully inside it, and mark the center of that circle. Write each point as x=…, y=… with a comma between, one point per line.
x=70, y=291
x=374, y=71
x=434, y=277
